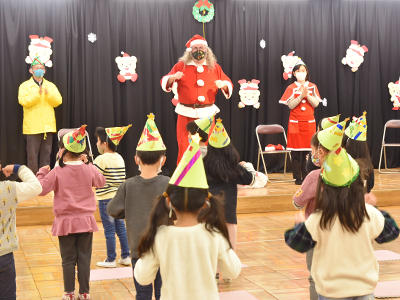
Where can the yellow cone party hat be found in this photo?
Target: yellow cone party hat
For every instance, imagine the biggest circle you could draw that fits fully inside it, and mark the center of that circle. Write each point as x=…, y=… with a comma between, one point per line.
x=357, y=129
x=219, y=137
x=150, y=140
x=333, y=135
x=115, y=134
x=75, y=141
x=328, y=122
x=190, y=172
x=339, y=168
x=205, y=123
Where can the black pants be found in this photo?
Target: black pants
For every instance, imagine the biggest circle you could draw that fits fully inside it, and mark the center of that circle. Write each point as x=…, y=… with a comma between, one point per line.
x=38, y=150
x=8, y=287
x=299, y=164
x=76, y=249
x=145, y=292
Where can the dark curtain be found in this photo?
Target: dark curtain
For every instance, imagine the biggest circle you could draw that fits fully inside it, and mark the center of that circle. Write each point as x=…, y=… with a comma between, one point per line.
x=156, y=32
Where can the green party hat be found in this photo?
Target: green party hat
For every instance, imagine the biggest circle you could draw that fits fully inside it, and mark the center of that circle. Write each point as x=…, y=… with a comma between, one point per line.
x=219, y=137
x=115, y=134
x=36, y=61
x=75, y=141
x=190, y=172
x=205, y=123
x=357, y=129
x=333, y=135
x=330, y=121
x=150, y=140
x=300, y=62
x=339, y=168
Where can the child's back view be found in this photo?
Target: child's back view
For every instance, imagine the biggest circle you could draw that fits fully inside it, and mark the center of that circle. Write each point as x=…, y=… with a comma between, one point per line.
x=135, y=197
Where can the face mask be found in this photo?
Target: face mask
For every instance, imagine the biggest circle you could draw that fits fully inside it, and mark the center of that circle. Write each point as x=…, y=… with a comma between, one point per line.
x=101, y=150
x=301, y=76
x=38, y=73
x=315, y=161
x=199, y=54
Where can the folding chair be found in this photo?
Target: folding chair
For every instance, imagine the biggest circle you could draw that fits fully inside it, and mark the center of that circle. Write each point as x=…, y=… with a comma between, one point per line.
x=63, y=131
x=389, y=124
x=271, y=129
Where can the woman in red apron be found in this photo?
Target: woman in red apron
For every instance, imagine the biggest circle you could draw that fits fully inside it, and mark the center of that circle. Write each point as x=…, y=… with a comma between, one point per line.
x=302, y=97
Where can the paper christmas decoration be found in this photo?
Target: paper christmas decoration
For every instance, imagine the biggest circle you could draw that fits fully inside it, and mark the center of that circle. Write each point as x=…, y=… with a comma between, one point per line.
x=203, y=11
x=263, y=44
x=219, y=137
x=205, y=123
x=127, y=67
x=40, y=47
x=339, y=168
x=36, y=61
x=115, y=134
x=288, y=61
x=394, y=91
x=333, y=135
x=92, y=37
x=249, y=93
x=330, y=121
x=354, y=55
x=357, y=129
x=75, y=141
x=150, y=140
x=190, y=172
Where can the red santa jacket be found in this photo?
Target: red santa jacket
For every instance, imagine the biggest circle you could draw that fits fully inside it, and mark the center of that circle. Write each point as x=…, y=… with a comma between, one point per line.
x=304, y=110
x=198, y=84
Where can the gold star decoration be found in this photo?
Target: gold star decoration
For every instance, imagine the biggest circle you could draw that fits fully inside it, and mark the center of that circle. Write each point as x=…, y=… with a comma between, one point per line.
x=151, y=116
x=219, y=120
x=337, y=160
x=346, y=171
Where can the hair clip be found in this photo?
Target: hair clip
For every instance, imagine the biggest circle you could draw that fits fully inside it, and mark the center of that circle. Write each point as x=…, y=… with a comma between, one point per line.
x=209, y=195
x=165, y=194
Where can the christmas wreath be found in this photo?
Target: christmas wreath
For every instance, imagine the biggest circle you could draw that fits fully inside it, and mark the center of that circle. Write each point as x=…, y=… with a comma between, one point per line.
x=203, y=11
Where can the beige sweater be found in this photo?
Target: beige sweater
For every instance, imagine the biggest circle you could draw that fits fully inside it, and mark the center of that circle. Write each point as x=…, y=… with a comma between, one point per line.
x=344, y=263
x=188, y=259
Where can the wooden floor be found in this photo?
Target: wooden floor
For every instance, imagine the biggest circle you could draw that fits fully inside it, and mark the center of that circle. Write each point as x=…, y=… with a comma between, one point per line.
x=275, y=271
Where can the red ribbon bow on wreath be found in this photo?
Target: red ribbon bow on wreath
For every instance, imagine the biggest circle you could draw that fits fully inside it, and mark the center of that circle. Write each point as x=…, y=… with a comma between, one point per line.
x=201, y=3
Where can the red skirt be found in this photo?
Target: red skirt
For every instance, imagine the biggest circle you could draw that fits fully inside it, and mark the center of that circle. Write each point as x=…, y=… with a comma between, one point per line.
x=299, y=135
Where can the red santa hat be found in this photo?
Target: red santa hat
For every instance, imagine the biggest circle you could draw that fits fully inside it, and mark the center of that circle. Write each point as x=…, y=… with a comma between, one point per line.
x=41, y=42
x=291, y=53
x=357, y=49
x=124, y=54
x=195, y=40
x=249, y=86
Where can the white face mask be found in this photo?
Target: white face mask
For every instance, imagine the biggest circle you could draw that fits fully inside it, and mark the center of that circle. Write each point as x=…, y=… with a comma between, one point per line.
x=159, y=168
x=301, y=76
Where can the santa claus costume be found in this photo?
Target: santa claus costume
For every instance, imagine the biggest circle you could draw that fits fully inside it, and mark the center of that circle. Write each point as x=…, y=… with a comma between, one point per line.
x=301, y=120
x=196, y=89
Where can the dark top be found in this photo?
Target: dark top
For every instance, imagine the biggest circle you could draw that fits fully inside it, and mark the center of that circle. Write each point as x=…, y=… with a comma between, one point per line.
x=310, y=166
x=230, y=190
x=370, y=182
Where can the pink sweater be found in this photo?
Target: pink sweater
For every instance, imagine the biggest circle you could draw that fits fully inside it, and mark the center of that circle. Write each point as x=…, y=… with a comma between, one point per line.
x=305, y=196
x=74, y=199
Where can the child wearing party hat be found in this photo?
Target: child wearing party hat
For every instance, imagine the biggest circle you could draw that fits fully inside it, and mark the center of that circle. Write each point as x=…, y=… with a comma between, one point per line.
x=224, y=172
x=341, y=231
x=112, y=166
x=74, y=205
x=134, y=198
x=202, y=127
x=188, y=252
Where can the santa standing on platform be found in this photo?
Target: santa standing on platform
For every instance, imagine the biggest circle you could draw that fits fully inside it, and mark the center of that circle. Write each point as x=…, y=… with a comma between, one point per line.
x=199, y=77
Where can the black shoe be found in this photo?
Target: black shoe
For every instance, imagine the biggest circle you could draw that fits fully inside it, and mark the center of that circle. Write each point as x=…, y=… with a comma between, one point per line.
x=298, y=182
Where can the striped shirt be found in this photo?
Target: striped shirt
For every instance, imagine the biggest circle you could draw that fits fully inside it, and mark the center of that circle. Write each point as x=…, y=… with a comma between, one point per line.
x=112, y=166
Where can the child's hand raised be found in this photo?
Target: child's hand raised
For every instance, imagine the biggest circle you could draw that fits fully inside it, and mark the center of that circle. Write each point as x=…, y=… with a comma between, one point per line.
x=8, y=170
x=299, y=217
x=47, y=167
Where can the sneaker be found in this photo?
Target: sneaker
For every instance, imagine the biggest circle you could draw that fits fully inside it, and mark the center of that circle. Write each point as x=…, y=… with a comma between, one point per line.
x=217, y=278
x=298, y=182
x=68, y=297
x=105, y=264
x=84, y=296
x=228, y=280
x=125, y=261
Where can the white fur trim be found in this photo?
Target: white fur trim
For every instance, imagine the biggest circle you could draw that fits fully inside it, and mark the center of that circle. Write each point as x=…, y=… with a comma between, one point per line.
x=201, y=98
x=198, y=42
x=196, y=112
x=299, y=149
x=230, y=88
x=200, y=69
x=188, y=49
x=164, y=82
x=200, y=83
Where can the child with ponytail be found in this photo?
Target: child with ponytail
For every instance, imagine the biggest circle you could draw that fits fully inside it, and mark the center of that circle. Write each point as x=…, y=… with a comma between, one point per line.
x=188, y=252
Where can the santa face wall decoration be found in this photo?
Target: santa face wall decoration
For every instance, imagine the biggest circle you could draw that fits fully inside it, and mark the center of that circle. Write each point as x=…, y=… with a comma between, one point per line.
x=354, y=55
x=394, y=91
x=288, y=61
x=249, y=93
x=40, y=47
x=127, y=67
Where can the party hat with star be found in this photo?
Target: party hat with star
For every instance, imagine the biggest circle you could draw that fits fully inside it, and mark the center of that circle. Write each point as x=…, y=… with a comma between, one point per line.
x=333, y=135
x=339, y=168
x=190, y=172
x=150, y=140
x=219, y=137
x=115, y=134
x=75, y=141
x=357, y=129
x=205, y=123
x=330, y=121
x=36, y=61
